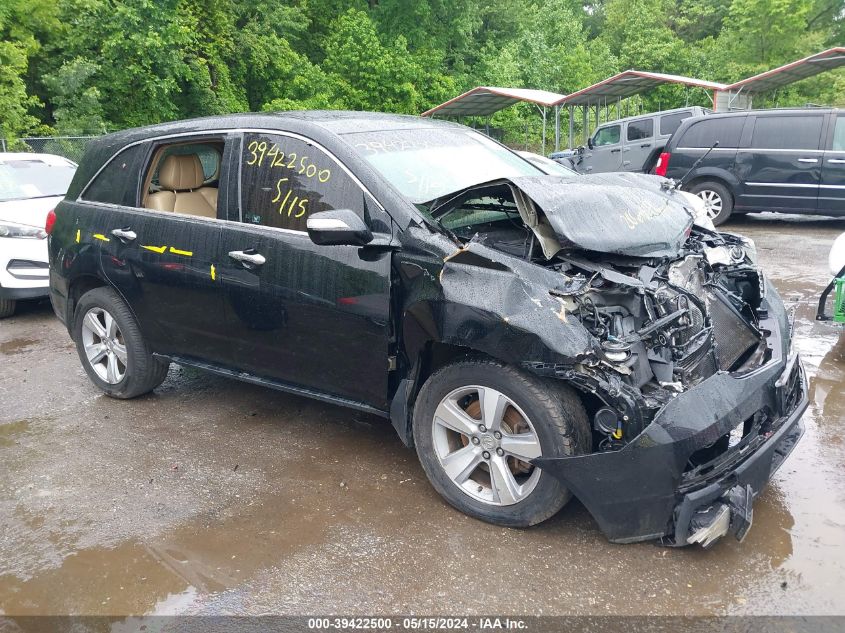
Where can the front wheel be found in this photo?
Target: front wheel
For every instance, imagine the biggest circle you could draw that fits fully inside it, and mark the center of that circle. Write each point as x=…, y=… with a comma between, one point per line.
x=477, y=426
x=7, y=308
x=718, y=201
x=111, y=348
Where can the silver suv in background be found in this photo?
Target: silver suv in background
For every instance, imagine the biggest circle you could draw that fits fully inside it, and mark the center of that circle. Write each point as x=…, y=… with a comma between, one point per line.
x=630, y=144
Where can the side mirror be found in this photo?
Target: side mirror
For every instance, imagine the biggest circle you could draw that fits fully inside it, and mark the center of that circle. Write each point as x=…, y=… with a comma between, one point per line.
x=339, y=227
x=590, y=143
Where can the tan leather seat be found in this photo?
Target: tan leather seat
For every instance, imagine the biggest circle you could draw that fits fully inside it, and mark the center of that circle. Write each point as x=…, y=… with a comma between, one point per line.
x=181, y=178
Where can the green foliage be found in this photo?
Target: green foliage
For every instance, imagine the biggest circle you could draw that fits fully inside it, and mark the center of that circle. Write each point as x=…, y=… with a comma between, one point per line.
x=85, y=66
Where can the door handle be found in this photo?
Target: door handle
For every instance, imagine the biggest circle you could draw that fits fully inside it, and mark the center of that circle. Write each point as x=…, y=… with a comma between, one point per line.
x=836, y=161
x=253, y=259
x=808, y=160
x=614, y=151
x=124, y=234
x=646, y=145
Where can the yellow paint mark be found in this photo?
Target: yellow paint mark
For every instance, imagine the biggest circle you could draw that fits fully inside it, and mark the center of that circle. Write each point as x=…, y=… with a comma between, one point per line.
x=156, y=249
x=78, y=235
x=213, y=273
x=101, y=237
x=617, y=434
x=176, y=251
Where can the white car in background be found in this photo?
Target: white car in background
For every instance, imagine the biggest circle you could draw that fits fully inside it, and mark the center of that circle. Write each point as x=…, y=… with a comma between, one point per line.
x=31, y=185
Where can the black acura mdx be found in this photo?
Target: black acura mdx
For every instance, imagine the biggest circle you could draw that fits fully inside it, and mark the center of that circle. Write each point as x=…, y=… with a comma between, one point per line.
x=533, y=336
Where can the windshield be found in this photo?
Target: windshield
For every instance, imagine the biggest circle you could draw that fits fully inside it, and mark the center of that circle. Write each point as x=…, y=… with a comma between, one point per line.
x=33, y=178
x=427, y=163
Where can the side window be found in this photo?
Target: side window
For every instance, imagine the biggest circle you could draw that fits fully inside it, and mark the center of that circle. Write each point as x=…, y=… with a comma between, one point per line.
x=184, y=178
x=285, y=179
x=118, y=182
x=839, y=135
x=670, y=123
x=787, y=132
x=703, y=134
x=637, y=130
x=607, y=136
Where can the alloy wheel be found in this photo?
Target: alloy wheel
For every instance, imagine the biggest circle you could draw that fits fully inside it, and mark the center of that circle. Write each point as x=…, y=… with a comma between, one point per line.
x=712, y=202
x=104, y=345
x=484, y=443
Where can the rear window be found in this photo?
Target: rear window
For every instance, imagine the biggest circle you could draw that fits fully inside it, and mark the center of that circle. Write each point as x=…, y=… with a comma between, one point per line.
x=640, y=129
x=787, y=132
x=671, y=122
x=703, y=134
x=25, y=178
x=118, y=182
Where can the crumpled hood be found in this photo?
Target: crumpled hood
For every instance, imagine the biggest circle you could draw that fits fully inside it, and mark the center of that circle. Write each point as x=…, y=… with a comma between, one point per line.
x=625, y=214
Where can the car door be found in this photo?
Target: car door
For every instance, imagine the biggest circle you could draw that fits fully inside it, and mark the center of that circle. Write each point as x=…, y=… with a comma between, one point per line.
x=780, y=165
x=606, y=153
x=312, y=317
x=832, y=188
x=639, y=141
x=164, y=262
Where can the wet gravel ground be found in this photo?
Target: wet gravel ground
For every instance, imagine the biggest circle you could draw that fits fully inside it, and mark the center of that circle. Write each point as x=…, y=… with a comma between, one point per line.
x=211, y=496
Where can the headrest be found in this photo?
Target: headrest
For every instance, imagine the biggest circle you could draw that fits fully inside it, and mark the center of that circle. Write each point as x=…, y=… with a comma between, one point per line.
x=181, y=172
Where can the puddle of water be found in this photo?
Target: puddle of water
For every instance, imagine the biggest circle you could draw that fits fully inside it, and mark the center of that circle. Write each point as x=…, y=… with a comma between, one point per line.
x=203, y=556
x=17, y=345
x=11, y=430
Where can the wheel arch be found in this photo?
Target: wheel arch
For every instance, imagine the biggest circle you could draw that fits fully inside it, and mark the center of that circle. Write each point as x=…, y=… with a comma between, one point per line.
x=76, y=289
x=721, y=176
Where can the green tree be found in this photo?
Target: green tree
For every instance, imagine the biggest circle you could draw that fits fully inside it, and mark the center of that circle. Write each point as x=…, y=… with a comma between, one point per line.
x=77, y=107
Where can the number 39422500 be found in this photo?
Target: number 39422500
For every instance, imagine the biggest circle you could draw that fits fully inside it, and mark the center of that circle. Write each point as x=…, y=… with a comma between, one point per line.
x=261, y=150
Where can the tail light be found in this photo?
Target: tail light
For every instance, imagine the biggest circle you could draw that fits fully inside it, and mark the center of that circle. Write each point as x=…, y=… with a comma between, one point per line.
x=51, y=220
x=662, y=165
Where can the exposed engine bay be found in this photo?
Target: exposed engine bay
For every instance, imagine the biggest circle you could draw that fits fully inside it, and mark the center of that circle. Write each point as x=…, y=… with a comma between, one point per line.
x=663, y=322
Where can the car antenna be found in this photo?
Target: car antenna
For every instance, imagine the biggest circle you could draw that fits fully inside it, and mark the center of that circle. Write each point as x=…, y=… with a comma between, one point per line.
x=680, y=182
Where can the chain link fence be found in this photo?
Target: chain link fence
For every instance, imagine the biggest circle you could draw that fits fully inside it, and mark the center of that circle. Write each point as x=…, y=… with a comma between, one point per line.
x=71, y=147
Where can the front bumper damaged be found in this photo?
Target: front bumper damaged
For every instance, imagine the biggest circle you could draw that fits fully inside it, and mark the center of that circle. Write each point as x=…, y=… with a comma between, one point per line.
x=649, y=489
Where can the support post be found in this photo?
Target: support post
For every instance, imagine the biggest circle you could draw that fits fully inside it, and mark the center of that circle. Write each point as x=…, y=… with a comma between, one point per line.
x=571, y=125
x=557, y=128
x=544, y=130
x=585, y=115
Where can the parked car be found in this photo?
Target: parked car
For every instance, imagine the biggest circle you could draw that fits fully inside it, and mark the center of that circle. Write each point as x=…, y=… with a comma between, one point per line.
x=30, y=186
x=789, y=161
x=532, y=336
x=836, y=264
x=630, y=144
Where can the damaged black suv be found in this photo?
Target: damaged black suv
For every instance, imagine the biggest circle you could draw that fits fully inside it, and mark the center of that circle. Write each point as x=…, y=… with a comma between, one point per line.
x=535, y=337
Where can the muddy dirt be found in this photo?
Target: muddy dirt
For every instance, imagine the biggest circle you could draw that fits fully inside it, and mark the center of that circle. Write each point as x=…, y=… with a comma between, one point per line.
x=213, y=496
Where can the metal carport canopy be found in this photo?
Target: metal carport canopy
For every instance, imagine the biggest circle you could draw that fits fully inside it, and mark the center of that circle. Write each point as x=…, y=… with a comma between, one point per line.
x=486, y=100
x=792, y=72
x=629, y=83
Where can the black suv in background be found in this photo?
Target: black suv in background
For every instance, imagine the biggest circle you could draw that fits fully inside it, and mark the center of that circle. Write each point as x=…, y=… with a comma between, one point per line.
x=766, y=160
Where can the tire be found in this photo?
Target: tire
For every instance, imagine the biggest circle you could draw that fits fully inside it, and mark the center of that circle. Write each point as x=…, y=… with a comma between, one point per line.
x=137, y=372
x=553, y=413
x=7, y=307
x=712, y=191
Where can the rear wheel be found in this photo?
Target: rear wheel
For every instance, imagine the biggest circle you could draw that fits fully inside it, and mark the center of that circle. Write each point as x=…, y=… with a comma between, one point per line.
x=718, y=201
x=111, y=348
x=477, y=426
x=7, y=307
